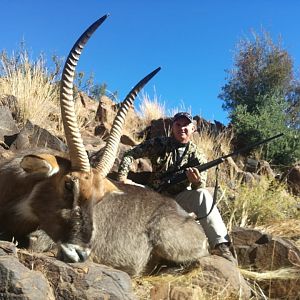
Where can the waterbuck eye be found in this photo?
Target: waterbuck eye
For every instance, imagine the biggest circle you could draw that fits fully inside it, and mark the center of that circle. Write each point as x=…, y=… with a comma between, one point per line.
x=69, y=185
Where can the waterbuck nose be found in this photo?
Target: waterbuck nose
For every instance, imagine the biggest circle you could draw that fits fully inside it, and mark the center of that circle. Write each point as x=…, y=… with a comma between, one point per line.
x=83, y=254
x=74, y=253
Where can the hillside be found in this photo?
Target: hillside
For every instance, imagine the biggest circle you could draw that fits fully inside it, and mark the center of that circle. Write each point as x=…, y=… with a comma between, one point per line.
x=259, y=211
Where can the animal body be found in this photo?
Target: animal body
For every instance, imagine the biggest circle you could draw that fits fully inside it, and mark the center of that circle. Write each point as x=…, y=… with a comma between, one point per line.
x=137, y=229
x=85, y=213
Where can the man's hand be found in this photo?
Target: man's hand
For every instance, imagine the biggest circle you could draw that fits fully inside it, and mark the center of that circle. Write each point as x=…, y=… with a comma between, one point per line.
x=193, y=175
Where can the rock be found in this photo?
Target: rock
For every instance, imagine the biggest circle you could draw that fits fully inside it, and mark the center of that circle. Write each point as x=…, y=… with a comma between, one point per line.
x=32, y=136
x=265, y=169
x=251, y=165
x=127, y=140
x=168, y=291
x=293, y=179
x=160, y=127
x=214, y=276
x=106, y=108
x=246, y=237
x=262, y=251
x=8, y=126
x=80, y=280
x=102, y=130
x=5, y=154
x=25, y=275
x=219, y=274
x=11, y=102
x=39, y=241
x=19, y=282
x=8, y=248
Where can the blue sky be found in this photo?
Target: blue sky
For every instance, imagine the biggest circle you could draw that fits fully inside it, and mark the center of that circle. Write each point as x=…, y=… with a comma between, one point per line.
x=192, y=40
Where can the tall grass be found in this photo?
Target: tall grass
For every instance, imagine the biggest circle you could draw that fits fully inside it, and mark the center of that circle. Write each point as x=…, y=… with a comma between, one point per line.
x=214, y=145
x=150, y=109
x=261, y=203
x=30, y=82
x=35, y=88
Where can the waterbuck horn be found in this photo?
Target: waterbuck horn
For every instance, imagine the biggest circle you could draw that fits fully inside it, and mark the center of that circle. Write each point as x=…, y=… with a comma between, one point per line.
x=78, y=156
x=111, y=147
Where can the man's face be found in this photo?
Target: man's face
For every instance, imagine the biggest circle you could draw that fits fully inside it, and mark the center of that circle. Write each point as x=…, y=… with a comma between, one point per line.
x=182, y=130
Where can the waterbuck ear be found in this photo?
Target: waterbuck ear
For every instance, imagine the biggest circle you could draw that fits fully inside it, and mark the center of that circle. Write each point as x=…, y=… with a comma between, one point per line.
x=43, y=164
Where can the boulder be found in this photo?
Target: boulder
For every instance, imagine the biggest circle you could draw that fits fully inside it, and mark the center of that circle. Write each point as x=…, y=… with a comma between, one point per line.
x=219, y=274
x=11, y=102
x=167, y=291
x=80, y=280
x=215, y=276
x=32, y=136
x=160, y=127
x=264, y=253
x=18, y=281
x=293, y=179
x=28, y=275
x=8, y=126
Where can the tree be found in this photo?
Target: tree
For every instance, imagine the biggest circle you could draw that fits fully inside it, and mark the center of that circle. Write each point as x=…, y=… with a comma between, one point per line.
x=262, y=98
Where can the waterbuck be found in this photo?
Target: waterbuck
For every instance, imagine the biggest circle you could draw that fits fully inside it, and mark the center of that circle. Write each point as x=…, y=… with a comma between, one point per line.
x=85, y=213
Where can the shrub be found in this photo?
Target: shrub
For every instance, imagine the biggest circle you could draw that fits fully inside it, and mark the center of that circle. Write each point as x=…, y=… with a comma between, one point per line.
x=260, y=203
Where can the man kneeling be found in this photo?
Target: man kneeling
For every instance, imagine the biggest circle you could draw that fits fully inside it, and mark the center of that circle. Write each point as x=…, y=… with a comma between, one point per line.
x=170, y=154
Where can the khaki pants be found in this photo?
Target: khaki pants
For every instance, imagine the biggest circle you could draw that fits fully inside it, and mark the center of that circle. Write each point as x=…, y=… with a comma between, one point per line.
x=200, y=202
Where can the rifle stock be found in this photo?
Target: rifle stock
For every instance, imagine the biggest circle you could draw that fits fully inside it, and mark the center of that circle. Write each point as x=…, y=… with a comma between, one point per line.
x=180, y=175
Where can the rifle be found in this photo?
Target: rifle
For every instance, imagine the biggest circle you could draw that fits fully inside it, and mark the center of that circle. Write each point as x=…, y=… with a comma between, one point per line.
x=178, y=176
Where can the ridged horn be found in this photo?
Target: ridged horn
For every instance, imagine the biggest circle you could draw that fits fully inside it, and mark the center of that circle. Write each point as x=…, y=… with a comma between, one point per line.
x=78, y=156
x=111, y=147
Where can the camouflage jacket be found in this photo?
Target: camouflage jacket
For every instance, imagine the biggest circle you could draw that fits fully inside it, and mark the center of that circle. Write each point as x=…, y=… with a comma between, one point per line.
x=165, y=157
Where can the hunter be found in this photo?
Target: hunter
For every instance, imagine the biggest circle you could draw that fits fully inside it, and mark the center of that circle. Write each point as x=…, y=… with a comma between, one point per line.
x=169, y=154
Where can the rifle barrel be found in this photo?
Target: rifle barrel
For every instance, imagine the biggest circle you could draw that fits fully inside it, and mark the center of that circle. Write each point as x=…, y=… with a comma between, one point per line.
x=180, y=175
x=249, y=147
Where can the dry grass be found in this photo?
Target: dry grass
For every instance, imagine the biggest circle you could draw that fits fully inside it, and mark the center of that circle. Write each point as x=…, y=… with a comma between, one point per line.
x=282, y=274
x=36, y=90
x=214, y=146
x=181, y=107
x=150, y=109
x=169, y=284
x=266, y=285
x=30, y=83
x=186, y=285
x=260, y=203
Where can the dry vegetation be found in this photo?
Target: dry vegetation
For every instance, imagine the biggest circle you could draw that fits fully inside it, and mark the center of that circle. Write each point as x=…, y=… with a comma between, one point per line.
x=150, y=109
x=172, y=284
x=264, y=205
x=35, y=88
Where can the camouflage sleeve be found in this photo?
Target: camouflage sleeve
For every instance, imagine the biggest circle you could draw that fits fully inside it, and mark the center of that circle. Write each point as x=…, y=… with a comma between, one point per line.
x=199, y=154
x=145, y=149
